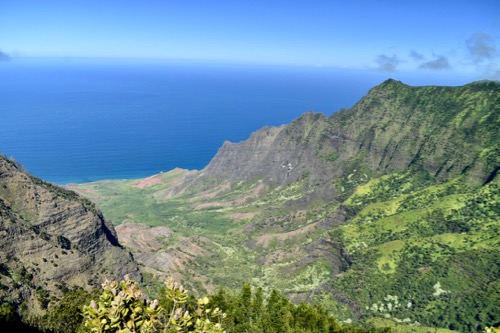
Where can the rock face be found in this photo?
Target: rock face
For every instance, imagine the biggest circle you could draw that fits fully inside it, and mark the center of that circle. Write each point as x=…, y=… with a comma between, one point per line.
x=274, y=154
x=443, y=130
x=51, y=239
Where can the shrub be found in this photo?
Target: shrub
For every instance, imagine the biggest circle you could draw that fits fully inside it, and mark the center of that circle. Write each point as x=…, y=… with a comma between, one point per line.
x=122, y=308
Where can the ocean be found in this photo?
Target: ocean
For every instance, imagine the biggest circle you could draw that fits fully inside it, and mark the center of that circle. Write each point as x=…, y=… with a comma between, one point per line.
x=86, y=120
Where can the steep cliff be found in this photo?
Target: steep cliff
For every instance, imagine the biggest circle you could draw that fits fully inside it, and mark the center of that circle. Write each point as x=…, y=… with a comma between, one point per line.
x=51, y=240
x=445, y=131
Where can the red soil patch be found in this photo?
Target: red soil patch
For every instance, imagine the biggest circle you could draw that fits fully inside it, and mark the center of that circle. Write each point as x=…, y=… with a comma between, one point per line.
x=149, y=181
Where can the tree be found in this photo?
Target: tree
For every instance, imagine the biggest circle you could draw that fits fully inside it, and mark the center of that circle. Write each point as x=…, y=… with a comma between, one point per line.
x=258, y=304
x=66, y=316
x=242, y=314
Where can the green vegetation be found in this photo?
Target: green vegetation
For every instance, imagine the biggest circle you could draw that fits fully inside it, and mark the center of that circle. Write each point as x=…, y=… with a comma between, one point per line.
x=407, y=237
x=434, y=249
x=250, y=311
x=390, y=217
x=123, y=307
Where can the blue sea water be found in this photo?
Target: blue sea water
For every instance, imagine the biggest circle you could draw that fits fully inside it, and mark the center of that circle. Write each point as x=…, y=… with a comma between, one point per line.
x=86, y=120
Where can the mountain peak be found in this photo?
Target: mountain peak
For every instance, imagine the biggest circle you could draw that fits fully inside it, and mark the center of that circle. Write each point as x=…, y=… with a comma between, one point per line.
x=391, y=83
x=485, y=83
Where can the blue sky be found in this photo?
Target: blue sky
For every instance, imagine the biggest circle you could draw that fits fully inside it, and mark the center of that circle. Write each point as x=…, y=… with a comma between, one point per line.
x=387, y=35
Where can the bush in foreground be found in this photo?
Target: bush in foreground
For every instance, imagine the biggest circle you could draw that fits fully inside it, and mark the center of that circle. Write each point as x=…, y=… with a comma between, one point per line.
x=122, y=308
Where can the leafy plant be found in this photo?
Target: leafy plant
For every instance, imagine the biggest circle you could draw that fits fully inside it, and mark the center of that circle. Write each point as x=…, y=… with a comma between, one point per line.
x=122, y=308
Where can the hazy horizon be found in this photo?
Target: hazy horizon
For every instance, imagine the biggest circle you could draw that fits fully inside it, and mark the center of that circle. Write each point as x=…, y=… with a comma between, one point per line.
x=446, y=37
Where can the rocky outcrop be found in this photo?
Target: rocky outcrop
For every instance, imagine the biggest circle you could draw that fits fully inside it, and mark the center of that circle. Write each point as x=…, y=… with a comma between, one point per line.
x=273, y=155
x=52, y=239
x=276, y=155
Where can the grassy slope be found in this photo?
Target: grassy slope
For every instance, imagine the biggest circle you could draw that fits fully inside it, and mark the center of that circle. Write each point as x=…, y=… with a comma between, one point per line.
x=443, y=234
x=416, y=234
x=223, y=221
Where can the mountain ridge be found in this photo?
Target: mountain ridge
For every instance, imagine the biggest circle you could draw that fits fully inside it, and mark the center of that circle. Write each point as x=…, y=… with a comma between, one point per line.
x=52, y=240
x=329, y=135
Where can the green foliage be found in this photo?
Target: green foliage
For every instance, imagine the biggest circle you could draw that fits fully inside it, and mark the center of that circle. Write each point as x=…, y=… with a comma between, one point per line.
x=11, y=321
x=121, y=308
x=330, y=157
x=251, y=312
x=411, y=238
x=407, y=234
x=66, y=316
x=7, y=313
x=468, y=282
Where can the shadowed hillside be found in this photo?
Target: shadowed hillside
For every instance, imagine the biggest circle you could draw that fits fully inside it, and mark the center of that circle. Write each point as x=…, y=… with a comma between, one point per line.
x=52, y=240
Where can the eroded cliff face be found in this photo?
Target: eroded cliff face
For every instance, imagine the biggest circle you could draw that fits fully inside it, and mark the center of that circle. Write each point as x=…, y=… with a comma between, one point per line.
x=272, y=156
x=275, y=155
x=50, y=239
x=445, y=131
